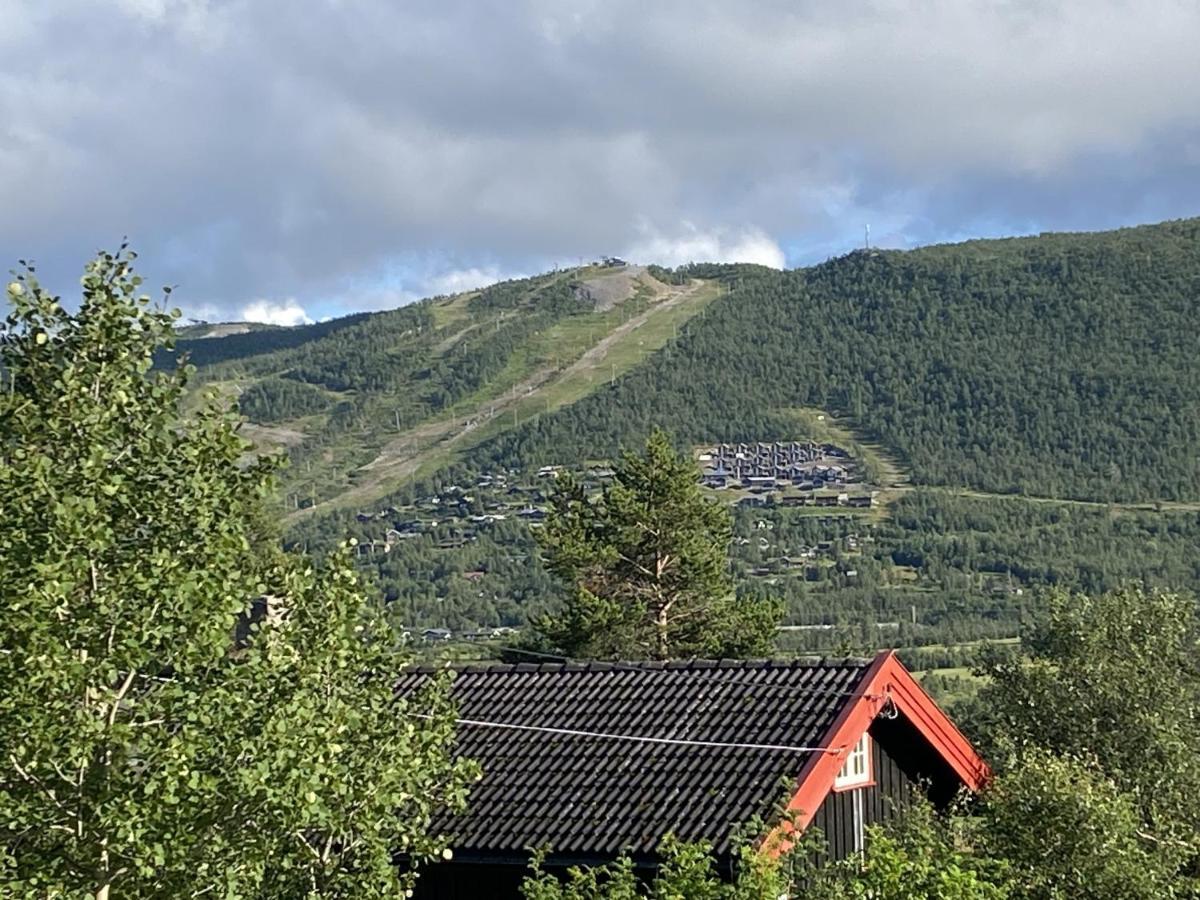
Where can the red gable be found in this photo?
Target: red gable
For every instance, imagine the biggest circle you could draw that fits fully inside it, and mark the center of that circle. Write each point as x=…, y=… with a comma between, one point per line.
x=885, y=682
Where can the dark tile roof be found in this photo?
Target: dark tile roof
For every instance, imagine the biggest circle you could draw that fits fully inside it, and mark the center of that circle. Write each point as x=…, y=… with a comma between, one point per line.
x=584, y=796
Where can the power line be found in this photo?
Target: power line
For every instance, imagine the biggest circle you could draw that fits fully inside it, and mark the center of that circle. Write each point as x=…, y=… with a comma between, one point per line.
x=633, y=738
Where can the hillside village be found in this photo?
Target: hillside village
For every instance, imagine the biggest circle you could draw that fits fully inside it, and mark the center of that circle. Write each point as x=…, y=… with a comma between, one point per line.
x=791, y=473
x=787, y=474
x=758, y=479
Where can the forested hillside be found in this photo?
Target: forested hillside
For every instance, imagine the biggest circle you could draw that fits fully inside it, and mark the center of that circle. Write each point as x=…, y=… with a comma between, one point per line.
x=365, y=402
x=1062, y=365
x=1033, y=403
x=210, y=344
x=1058, y=366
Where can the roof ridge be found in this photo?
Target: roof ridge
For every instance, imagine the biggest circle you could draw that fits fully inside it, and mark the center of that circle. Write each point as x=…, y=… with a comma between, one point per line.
x=672, y=665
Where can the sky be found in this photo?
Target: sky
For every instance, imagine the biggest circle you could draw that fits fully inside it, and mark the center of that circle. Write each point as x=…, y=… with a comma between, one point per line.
x=291, y=161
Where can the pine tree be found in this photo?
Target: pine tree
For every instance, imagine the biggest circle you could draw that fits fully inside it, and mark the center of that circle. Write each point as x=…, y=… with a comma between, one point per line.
x=647, y=563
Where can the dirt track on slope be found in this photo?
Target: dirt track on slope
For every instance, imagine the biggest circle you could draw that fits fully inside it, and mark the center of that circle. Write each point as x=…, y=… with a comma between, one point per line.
x=405, y=454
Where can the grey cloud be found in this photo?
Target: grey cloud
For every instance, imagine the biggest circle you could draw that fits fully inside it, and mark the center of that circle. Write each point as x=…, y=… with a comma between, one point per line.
x=356, y=153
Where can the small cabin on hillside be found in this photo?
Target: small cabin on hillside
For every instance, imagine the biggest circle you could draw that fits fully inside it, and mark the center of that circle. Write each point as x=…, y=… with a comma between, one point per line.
x=592, y=760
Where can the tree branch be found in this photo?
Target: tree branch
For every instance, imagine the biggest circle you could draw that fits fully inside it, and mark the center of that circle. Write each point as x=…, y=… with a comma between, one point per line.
x=119, y=696
x=41, y=786
x=1175, y=842
x=637, y=565
x=307, y=846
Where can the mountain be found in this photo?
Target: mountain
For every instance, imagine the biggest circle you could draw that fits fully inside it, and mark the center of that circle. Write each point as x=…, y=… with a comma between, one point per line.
x=1059, y=366
x=366, y=402
x=1020, y=413
x=197, y=331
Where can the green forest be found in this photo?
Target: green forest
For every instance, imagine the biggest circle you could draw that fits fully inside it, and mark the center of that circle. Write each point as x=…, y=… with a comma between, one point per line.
x=1038, y=398
x=1054, y=366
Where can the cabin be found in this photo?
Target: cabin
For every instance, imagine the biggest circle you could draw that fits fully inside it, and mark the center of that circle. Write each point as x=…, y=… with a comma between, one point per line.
x=593, y=760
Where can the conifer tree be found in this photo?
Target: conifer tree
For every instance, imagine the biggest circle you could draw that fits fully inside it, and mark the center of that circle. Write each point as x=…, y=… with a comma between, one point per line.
x=647, y=565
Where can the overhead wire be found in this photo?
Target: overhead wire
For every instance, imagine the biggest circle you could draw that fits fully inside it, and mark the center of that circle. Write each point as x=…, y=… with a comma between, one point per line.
x=635, y=738
x=707, y=676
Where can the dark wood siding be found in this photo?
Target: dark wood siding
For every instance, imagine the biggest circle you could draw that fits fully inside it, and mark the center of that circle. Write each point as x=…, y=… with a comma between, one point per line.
x=469, y=881
x=892, y=790
x=459, y=880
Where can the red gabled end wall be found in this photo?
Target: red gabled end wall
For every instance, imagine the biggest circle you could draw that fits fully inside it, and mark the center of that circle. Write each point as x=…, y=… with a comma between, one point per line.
x=885, y=679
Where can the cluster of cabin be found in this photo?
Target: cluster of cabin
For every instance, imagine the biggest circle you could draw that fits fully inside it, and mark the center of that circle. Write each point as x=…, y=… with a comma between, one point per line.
x=782, y=474
x=443, y=635
x=852, y=543
x=842, y=498
x=803, y=560
x=803, y=465
x=457, y=514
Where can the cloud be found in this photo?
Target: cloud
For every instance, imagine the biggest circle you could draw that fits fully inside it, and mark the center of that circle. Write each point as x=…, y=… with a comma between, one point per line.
x=202, y=312
x=367, y=151
x=408, y=278
x=287, y=313
x=456, y=281
x=689, y=244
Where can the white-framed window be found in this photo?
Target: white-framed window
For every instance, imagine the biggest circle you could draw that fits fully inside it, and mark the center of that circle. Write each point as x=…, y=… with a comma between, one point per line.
x=856, y=770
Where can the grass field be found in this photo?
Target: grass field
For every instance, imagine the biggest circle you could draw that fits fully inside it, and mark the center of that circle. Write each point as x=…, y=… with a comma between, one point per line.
x=453, y=310
x=951, y=685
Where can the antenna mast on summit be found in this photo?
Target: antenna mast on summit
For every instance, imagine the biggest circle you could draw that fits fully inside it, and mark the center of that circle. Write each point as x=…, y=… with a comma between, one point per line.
x=867, y=238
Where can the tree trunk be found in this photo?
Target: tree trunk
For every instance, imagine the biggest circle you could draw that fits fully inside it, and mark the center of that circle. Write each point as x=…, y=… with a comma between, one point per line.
x=102, y=890
x=660, y=623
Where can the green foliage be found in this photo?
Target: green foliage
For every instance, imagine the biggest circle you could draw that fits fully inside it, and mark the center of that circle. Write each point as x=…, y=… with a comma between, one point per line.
x=646, y=561
x=1049, y=828
x=615, y=881
x=1114, y=678
x=1066, y=830
x=685, y=872
x=280, y=399
x=917, y=855
x=496, y=580
x=1089, y=548
x=146, y=750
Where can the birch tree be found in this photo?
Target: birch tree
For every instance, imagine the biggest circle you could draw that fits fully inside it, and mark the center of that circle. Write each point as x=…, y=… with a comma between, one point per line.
x=184, y=710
